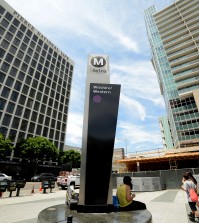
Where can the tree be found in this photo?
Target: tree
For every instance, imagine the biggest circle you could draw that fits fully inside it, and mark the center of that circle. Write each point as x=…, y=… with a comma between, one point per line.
x=37, y=148
x=5, y=147
x=71, y=157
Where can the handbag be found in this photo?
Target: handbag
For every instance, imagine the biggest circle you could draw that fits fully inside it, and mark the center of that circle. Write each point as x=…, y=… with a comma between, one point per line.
x=193, y=195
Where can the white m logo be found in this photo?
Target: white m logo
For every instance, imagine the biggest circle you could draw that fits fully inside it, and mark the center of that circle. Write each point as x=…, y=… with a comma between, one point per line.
x=98, y=61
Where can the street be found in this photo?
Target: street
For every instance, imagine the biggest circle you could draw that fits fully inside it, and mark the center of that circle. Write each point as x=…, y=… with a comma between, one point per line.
x=165, y=205
x=26, y=207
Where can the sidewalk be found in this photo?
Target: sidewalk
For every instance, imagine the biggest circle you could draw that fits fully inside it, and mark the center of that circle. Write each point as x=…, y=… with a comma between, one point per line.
x=167, y=206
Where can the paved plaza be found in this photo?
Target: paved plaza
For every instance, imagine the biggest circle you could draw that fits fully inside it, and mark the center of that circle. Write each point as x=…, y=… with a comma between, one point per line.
x=165, y=206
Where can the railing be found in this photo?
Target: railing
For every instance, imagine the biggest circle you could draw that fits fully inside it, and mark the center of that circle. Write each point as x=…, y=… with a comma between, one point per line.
x=146, y=153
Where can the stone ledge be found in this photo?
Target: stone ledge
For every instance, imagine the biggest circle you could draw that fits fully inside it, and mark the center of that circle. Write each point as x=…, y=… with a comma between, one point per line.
x=59, y=213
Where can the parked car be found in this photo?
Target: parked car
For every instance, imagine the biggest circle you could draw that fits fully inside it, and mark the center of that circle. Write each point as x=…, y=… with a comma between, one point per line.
x=43, y=176
x=73, y=180
x=4, y=177
x=62, y=181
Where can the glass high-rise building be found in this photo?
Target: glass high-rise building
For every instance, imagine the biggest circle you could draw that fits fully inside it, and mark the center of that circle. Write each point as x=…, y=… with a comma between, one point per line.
x=35, y=81
x=173, y=35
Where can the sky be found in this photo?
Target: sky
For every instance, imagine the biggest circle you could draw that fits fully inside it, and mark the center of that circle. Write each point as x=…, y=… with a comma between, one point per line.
x=106, y=27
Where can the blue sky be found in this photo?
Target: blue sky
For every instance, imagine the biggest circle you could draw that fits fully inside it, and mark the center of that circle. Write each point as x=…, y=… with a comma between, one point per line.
x=115, y=28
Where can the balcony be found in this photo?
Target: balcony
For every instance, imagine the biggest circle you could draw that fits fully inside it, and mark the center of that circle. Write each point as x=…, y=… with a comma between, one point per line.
x=175, y=35
x=181, y=3
x=178, y=53
x=169, y=21
x=187, y=82
x=188, y=90
x=190, y=4
x=190, y=11
x=184, y=59
x=173, y=30
x=194, y=63
x=164, y=29
x=187, y=73
x=179, y=46
x=184, y=37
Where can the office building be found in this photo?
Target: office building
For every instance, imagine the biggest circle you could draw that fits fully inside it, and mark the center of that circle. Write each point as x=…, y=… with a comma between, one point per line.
x=35, y=81
x=173, y=35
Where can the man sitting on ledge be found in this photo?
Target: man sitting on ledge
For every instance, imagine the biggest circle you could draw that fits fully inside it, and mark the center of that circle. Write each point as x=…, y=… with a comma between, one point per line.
x=126, y=198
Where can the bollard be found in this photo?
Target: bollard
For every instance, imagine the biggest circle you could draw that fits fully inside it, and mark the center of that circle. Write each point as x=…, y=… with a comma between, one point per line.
x=70, y=219
x=18, y=191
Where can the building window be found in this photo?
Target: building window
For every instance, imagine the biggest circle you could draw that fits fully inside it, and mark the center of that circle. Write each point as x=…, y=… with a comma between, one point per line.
x=31, y=127
x=19, y=110
x=36, y=106
x=9, y=81
x=10, y=107
x=12, y=29
x=13, y=49
x=12, y=134
x=14, y=96
x=21, y=76
x=17, y=86
x=13, y=71
x=29, y=103
x=3, y=131
x=41, y=119
x=25, y=89
x=4, y=23
x=24, y=125
x=21, y=136
x=2, y=103
x=22, y=99
x=45, y=132
x=5, y=92
x=2, y=52
x=8, y=16
x=5, y=67
x=15, y=123
x=2, y=77
x=38, y=131
x=32, y=93
x=2, y=10
x=9, y=58
x=34, y=116
x=6, y=120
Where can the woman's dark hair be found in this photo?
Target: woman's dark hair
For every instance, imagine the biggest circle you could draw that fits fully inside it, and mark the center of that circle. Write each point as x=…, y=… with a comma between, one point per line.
x=191, y=177
x=127, y=180
x=185, y=176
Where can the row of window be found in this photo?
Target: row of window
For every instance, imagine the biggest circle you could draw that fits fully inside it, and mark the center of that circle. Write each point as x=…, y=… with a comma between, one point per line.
x=53, y=135
x=14, y=23
x=51, y=114
x=43, y=94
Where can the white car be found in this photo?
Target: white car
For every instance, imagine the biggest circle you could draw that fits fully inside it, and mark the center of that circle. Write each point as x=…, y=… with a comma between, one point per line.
x=73, y=180
x=3, y=176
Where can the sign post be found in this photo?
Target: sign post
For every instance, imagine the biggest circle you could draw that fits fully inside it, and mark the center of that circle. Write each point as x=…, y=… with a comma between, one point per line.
x=99, y=127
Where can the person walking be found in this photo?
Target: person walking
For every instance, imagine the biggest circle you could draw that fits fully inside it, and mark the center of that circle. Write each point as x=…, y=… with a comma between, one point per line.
x=187, y=185
x=126, y=197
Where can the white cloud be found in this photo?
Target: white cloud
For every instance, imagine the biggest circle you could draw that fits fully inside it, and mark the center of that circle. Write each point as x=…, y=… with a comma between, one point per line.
x=138, y=79
x=133, y=107
x=138, y=134
x=83, y=18
x=74, y=129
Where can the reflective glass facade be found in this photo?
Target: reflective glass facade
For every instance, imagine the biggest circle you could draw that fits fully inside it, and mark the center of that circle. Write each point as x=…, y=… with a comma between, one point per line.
x=35, y=81
x=173, y=34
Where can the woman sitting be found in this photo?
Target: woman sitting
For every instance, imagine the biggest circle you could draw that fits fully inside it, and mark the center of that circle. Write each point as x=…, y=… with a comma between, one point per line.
x=126, y=198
